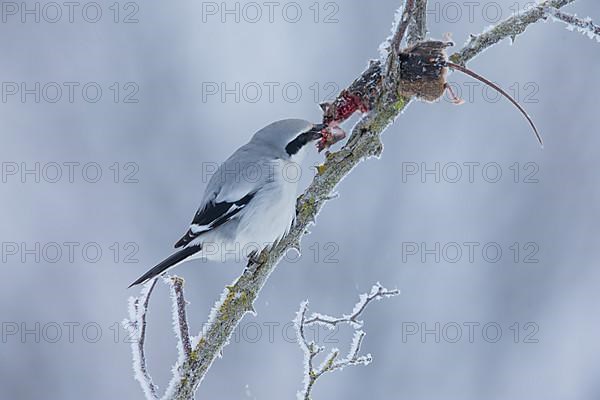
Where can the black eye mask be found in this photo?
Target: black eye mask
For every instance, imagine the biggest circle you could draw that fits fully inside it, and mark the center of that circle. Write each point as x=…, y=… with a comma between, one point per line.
x=304, y=138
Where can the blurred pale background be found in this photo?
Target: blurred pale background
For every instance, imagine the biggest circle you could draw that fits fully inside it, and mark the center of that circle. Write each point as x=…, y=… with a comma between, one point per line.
x=166, y=61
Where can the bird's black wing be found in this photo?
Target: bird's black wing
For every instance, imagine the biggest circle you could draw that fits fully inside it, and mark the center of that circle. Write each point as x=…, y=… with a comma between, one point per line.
x=212, y=215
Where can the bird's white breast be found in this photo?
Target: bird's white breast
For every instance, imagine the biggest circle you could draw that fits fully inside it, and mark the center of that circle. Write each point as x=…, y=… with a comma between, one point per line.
x=270, y=214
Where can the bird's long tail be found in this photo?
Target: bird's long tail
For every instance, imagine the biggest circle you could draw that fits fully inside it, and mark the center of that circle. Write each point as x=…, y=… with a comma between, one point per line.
x=167, y=263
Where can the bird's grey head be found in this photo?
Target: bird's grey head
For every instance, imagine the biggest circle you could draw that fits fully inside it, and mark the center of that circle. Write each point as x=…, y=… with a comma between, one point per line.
x=288, y=137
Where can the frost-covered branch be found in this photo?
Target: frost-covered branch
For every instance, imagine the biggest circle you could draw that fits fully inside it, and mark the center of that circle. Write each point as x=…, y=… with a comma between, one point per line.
x=418, y=30
x=509, y=28
x=136, y=327
x=332, y=361
x=401, y=25
x=377, y=293
x=376, y=93
x=391, y=47
x=583, y=25
x=180, y=323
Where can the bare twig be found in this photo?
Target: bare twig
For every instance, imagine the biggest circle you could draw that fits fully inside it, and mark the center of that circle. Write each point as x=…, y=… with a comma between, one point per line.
x=179, y=317
x=583, y=25
x=381, y=104
x=136, y=327
x=332, y=362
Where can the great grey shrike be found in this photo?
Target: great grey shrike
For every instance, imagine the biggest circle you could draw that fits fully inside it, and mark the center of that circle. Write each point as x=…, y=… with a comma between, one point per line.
x=249, y=202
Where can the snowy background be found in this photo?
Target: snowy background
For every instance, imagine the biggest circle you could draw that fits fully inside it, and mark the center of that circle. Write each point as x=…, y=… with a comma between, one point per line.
x=61, y=312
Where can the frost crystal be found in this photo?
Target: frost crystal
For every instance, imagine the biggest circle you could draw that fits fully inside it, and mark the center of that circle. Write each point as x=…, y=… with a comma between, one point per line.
x=583, y=25
x=384, y=47
x=332, y=361
x=135, y=327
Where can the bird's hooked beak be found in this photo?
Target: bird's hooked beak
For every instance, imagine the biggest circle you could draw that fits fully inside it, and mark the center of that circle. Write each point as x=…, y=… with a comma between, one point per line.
x=319, y=131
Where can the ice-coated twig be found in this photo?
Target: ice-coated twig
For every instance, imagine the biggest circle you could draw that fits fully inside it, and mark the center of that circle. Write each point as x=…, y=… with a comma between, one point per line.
x=136, y=327
x=377, y=293
x=332, y=361
x=583, y=25
x=179, y=318
x=418, y=29
x=381, y=107
x=509, y=28
x=392, y=45
x=403, y=23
